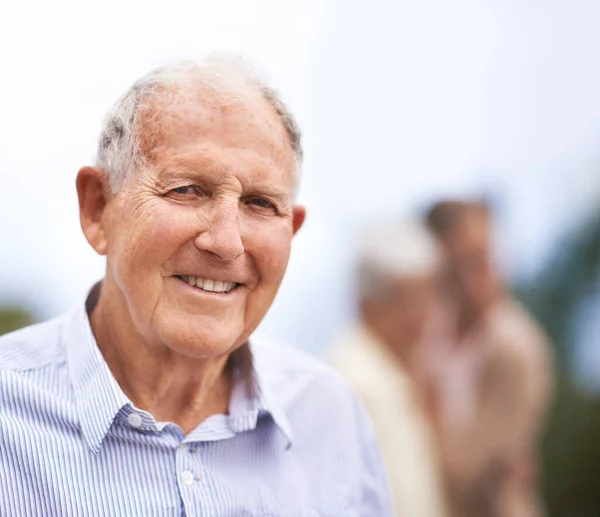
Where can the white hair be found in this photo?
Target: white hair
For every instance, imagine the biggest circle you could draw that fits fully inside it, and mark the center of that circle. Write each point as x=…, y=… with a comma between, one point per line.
x=392, y=251
x=228, y=80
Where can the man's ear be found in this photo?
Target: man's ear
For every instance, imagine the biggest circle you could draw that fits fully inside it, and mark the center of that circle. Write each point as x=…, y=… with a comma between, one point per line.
x=298, y=217
x=93, y=190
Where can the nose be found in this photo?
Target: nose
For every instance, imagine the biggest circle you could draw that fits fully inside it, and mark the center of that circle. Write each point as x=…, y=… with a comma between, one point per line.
x=222, y=236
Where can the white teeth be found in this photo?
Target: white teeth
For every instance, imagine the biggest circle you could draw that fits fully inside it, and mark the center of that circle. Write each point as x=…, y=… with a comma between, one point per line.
x=213, y=286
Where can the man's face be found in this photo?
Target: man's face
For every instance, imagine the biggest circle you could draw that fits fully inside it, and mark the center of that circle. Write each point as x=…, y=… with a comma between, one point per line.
x=470, y=270
x=198, y=242
x=404, y=312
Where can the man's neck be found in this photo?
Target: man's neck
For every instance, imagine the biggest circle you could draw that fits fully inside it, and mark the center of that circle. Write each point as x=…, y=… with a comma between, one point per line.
x=470, y=316
x=171, y=387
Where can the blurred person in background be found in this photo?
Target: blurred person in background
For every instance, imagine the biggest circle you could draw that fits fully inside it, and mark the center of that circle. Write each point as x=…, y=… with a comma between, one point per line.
x=396, y=277
x=491, y=377
x=152, y=398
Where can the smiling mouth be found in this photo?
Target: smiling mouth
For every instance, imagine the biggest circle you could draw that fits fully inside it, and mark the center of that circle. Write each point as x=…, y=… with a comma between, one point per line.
x=210, y=286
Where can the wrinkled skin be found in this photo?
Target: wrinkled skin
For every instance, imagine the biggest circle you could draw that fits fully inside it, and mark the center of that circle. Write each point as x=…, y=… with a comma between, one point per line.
x=214, y=201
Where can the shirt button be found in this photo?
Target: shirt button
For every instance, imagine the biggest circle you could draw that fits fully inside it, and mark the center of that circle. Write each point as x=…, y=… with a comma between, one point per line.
x=187, y=477
x=134, y=420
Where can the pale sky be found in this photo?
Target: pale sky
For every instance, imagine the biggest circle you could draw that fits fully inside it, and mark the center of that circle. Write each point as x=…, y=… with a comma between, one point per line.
x=399, y=102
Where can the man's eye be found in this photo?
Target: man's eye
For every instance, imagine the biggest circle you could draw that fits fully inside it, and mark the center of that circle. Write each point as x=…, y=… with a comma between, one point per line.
x=188, y=189
x=261, y=203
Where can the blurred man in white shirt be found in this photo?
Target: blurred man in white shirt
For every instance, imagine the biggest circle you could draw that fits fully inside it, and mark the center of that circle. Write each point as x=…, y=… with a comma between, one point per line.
x=396, y=277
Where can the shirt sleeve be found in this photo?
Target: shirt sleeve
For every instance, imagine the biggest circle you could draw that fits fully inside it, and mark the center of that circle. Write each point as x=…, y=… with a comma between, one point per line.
x=373, y=493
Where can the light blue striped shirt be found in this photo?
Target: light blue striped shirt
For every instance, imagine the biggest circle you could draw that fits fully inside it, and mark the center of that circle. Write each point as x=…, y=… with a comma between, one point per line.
x=72, y=443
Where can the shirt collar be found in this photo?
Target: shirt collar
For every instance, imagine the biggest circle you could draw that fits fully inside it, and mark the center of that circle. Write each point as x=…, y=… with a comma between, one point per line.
x=264, y=381
x=99, y=398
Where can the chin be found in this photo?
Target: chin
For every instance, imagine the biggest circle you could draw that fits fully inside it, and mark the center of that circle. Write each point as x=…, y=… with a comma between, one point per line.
x=201, y=346
x=202, y=339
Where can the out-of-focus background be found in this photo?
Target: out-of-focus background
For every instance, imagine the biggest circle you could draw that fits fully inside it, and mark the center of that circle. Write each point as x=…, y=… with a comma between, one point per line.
x=400, y=103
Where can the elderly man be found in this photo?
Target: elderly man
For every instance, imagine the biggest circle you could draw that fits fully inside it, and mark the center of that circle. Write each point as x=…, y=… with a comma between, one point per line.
x=396, y=272
x=493, y=376
x=152, y=398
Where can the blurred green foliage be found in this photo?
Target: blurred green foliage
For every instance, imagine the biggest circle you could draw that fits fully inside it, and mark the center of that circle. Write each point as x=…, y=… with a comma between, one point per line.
x=13, y=319
x=571, y=444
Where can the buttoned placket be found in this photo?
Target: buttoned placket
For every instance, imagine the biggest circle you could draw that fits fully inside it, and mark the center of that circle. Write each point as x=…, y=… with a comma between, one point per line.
x=188, y=470
x=189, y=475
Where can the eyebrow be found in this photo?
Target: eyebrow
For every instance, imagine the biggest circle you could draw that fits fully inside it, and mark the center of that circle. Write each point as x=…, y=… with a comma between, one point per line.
x=266, y=190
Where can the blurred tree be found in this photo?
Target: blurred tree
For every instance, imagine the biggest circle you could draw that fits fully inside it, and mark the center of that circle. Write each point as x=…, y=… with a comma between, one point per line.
x=566, y=282
x=571, y=445
x=13, y=319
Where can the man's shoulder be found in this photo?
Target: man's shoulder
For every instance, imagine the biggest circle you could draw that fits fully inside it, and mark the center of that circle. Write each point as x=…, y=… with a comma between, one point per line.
x=522, y=346
x=518, y=330
x=293, y=372
x=312, y=395
x=364, y=361
x=34, y=346
x=280, y=358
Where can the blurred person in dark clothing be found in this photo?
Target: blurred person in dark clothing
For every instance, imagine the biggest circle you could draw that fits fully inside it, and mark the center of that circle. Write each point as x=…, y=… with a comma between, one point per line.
x=491, y=377
x=396, y=279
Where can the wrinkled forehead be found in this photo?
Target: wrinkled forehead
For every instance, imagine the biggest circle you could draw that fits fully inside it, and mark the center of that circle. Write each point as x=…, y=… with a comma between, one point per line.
x=188, y=116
